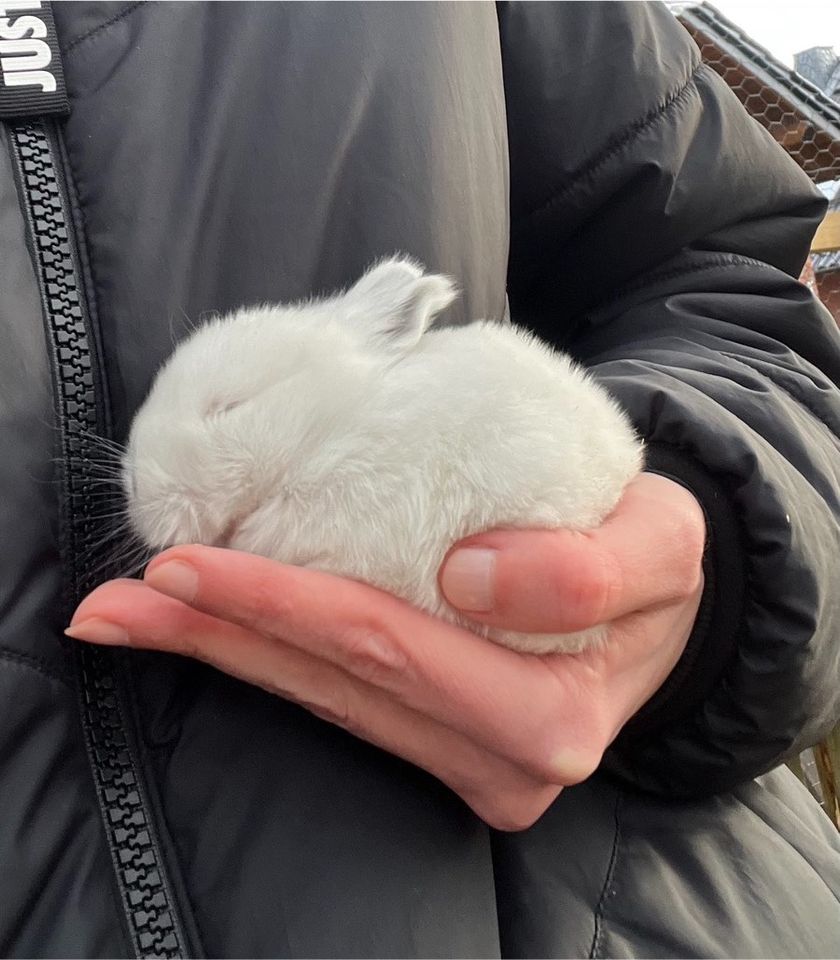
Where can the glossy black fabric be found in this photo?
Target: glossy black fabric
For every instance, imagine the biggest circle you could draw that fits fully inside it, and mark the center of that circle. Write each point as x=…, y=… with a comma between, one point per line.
x=579, y=158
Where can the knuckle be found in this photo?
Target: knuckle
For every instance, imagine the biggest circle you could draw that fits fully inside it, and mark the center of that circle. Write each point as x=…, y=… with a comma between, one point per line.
x=373, y=654
x=565, y=756
x=590, y=589
x=187, y=645
x=690, y=544
x=565, y=765
x=335, y=710
x=518, y=812
x=182, y=637
x=270, y=607
x=611, y=577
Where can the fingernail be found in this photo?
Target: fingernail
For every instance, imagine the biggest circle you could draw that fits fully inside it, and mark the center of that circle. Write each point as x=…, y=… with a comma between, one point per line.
x=175, y=579
x=95, y=630
x=468, y=578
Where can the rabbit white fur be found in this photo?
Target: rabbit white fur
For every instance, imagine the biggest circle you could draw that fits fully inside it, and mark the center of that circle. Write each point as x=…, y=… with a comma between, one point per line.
x=341, y=434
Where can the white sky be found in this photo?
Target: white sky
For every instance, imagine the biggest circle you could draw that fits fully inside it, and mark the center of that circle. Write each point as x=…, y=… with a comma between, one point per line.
x=785, y=27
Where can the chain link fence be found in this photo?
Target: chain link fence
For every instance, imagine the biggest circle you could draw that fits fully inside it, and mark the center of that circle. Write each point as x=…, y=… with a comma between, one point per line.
x=768, y=89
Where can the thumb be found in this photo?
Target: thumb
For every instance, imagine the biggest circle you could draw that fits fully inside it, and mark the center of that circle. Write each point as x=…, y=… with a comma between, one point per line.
x=647, y=552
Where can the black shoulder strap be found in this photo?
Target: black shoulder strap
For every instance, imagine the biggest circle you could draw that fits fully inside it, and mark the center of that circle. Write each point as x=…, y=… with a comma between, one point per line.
x=31, y=75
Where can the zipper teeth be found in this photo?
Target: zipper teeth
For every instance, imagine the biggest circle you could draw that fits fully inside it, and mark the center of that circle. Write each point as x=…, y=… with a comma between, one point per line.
x=151, y=918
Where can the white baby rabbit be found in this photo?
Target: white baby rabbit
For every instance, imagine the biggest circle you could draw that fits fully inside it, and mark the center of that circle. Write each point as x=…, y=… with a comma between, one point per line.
x=344, y=435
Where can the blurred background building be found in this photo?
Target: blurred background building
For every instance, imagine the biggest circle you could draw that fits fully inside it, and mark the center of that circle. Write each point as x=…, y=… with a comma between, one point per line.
x=820, y=65
x=799, y=105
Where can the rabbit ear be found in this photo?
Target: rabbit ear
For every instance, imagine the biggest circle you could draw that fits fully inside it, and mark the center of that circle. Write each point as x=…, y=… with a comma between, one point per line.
x=395, y=302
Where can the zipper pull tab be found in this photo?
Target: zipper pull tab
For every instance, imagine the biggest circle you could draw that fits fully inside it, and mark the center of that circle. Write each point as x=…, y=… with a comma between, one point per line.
x=31, y=73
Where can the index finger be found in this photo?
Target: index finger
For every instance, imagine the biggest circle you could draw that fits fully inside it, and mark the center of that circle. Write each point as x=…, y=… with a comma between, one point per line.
x=512, y=704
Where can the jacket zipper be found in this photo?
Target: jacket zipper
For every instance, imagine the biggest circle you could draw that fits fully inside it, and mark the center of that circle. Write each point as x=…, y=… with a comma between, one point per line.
x=151, y=918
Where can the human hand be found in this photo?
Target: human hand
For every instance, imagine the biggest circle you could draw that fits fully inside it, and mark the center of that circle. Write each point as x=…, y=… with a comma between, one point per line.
x=506, y=731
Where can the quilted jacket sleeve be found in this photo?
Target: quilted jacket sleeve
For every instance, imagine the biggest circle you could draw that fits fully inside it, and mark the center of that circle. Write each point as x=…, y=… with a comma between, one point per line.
x=657, y=231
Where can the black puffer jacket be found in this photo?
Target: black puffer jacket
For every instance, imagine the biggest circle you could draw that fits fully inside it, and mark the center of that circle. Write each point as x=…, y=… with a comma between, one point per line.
x=579, y=156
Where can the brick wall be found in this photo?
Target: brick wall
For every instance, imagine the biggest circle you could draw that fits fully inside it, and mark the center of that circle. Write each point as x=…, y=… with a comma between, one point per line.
x=828, y=290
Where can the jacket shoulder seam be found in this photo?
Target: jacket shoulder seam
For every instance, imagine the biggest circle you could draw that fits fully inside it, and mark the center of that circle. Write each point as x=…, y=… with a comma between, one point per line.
x=126, y=11
x=614, y=146
x=715, y=262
